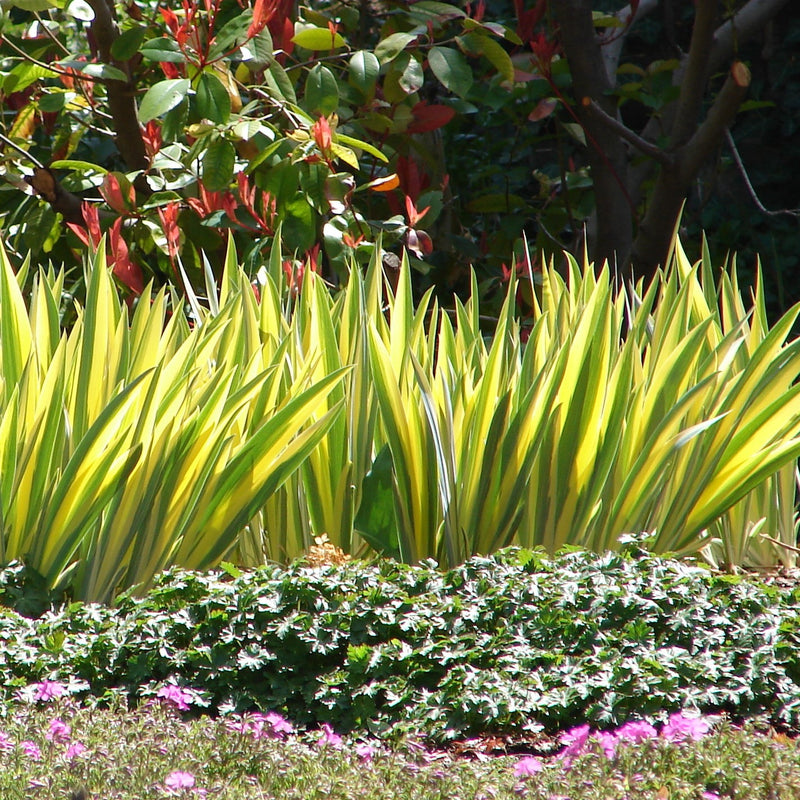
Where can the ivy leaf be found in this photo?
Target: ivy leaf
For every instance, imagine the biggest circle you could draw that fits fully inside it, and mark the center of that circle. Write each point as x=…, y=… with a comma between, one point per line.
x=161, y=97
x=451, y=68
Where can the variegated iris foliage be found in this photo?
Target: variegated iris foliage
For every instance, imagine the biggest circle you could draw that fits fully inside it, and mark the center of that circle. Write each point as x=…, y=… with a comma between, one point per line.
x=266, y=417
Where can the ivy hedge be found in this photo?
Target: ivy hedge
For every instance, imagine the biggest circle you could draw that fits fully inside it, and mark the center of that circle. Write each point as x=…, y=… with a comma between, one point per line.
x=515, y=642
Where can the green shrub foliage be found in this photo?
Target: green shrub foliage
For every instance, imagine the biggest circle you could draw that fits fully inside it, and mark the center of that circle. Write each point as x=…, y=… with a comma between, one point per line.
x=513, y=642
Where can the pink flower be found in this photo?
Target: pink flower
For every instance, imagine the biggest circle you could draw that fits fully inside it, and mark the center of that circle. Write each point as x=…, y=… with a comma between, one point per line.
x=607, y=742
x=59, y=731
x=279, y=726
x=258, y=725
x=575, y=740
x=636, y=732
x=365, y=751
x=75, y=750
x=710, y=796
x=6, y=745
x=31, y=749
x=679, y=728
x=528, y=766
x=179, y=780
x=45, y=691
x=176, y=696
x=329, y=738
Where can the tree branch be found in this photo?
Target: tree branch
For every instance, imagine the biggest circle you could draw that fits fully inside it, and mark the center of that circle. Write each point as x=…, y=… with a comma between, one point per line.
x=69, y=205
x=606, y=153
x=720, y=116
x=745, y=24
x=693, y=80
x=613, y=48
x=737, y=159
x=642, y=145
x=121, y=95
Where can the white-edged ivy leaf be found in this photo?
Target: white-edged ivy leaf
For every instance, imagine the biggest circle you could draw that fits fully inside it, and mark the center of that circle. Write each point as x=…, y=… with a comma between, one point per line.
x=451, y=68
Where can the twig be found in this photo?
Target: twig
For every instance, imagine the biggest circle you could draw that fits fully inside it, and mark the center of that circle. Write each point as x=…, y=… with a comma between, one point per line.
x=35, y=161
x=81, y=76
x=792, y=212
x=642, y=145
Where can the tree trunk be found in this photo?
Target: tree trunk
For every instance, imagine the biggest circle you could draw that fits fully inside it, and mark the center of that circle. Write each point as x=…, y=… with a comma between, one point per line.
x=606, y=152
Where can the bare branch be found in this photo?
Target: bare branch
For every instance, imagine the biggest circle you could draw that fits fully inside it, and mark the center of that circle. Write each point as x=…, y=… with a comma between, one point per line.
x=745, y=24
x=612, y=50
x=642, y=145
x=693, y=80
x=719, y=118
x=737, y=159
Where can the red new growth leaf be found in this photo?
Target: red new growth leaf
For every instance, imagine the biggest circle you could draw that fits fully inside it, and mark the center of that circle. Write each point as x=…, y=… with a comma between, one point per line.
x=169, y=222
x=112, y=192
x=414, y=216
x=209, y=202
x=92, y=219
x=412, y=181
x=126, y=271
x=170, y=70
x=171, y=18
x=321, y=131
x=544, y=108
x=429, y=118
x=263, y=13
x=151, y=136
x=543, y=50
x=528, y=19
x=480, y=10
